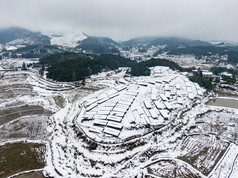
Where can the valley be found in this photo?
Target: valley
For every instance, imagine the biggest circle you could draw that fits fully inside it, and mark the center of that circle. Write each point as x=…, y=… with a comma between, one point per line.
x=93, y=107
x=118, y=89
x=157, y=125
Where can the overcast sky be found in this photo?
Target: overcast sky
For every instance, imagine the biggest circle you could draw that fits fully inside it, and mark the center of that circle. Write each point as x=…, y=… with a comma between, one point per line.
x=124, y=19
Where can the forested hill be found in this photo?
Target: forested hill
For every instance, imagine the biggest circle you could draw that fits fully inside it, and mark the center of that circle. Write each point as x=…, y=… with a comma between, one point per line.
x=168, y=41
x=142, y=68
x=99, y=45
x=17, y=35
x=199, y=51
x=71, y=66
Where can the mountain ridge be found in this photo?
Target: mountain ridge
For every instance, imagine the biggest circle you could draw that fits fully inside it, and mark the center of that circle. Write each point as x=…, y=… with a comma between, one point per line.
x=22, y=36
x=13, y=33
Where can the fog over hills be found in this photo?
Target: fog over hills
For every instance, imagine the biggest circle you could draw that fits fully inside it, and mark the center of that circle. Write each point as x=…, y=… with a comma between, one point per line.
x=16, y=35
x=37, y=44
x=118, y=88
x=123, y=20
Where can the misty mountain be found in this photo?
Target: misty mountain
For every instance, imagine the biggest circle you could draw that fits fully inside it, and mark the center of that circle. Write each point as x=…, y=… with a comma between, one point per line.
x=224, y=43
x=34, y=44
x=100, y=45
x=83, y=42
x=92, y=44
x=169, y=41
x=15, y=35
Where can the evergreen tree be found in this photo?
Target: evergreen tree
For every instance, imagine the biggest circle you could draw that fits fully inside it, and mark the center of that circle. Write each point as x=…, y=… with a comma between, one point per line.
x=23, y=66
x=42, y=70
x=74, y=76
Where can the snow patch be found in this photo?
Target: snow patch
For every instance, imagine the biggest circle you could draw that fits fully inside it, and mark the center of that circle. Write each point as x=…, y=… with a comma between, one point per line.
x=19, y=41
x=68, y=40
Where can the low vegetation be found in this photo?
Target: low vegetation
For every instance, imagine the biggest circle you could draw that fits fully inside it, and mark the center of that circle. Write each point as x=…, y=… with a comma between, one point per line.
x=18, y=157
x=169, y=168
x=7, y=115
x=203, y=154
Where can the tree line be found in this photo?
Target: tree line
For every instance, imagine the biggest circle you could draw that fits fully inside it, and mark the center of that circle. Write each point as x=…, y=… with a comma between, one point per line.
x=71, y=66
x=142, y=69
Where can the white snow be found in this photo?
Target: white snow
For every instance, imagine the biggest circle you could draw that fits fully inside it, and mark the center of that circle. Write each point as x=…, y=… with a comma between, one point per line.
x=68, y=155
x=10, y=48
x=67, y=39
x=228, y=165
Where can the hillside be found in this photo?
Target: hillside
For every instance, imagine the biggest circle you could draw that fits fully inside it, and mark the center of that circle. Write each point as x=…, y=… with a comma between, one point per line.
x=77, y=66
x=100, y=45
x=67, y=39
x=200, y=51
x=15, y=35
x=169, y=41
x=18, y=41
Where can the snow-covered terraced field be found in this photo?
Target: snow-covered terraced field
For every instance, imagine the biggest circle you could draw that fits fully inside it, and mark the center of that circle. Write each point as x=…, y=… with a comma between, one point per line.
x=168, y=168
x=23, y=117
x=27, y=102
x=156, y=126
x=202, y=152
x=136, y=107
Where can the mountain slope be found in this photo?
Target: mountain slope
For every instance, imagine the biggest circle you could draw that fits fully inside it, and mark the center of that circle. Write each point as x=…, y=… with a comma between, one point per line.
x=169, y=41
x=67, y=39
x=71, y=66
x=99, y=45
x=15, y=35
